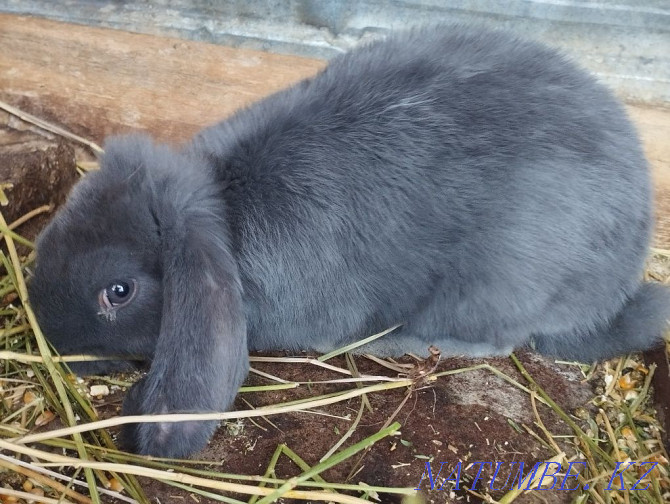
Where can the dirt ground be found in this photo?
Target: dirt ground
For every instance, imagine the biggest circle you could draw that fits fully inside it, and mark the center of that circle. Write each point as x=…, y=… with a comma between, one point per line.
x=467, y=417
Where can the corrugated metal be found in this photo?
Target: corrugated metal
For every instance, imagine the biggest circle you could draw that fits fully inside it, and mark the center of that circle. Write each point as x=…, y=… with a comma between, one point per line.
x=625, y=42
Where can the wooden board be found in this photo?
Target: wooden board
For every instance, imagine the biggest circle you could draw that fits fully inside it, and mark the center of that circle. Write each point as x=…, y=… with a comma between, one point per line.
x=653, y=125
x=98, y=82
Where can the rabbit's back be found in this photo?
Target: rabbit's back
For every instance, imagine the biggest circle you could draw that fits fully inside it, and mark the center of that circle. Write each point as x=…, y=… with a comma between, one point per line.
x=450, y=163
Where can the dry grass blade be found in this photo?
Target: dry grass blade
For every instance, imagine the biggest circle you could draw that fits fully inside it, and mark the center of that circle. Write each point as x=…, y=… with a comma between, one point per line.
x=301, y=360
x=33, y=213
x=52, y=475
x=347, y=434
x=533, y=480
x=61, y=460
x=43, y=480
x=5, y=230
x=45, y=125
x=265, y=411
x=39, y=359
x=356, y=344
x=30, y=497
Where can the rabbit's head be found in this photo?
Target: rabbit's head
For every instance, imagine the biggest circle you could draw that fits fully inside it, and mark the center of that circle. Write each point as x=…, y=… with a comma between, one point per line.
x=97, y=283
x=137, y=266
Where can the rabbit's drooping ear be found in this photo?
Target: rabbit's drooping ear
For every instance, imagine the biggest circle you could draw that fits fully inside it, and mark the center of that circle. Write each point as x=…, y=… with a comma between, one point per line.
x=201, y=356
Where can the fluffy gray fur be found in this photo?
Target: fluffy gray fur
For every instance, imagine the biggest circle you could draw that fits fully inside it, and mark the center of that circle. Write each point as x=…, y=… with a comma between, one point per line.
x=479, y=189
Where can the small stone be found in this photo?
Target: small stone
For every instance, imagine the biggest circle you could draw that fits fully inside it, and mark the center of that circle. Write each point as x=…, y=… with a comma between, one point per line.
x=99, y=390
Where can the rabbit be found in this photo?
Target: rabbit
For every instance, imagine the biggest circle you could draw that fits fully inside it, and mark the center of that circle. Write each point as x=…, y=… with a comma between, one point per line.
x=479, y=189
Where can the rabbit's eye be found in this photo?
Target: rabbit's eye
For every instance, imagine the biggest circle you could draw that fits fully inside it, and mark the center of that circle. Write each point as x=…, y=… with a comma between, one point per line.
x=117, y=294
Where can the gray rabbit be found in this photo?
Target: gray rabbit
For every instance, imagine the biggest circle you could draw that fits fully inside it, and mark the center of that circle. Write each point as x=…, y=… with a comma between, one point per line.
x=478, y=189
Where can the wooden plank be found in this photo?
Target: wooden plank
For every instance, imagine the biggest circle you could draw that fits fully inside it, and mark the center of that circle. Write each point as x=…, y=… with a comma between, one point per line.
x=98, y=82
x=653, y=125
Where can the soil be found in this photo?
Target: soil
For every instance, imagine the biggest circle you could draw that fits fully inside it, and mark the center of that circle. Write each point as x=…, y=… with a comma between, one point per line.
x=36, y=169
x=469, y=417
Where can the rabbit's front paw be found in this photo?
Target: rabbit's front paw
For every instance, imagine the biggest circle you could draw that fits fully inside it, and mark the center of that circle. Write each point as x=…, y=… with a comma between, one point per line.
x=161, y=439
